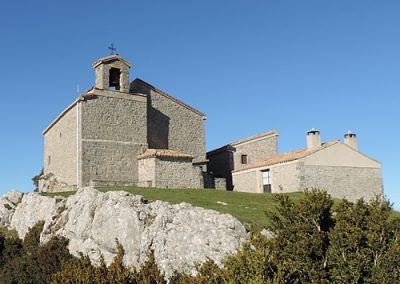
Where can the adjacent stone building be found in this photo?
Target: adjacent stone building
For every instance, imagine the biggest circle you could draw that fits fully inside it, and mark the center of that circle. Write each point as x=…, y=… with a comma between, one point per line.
x=110, y=134
x=337, y=167
x=239, y=154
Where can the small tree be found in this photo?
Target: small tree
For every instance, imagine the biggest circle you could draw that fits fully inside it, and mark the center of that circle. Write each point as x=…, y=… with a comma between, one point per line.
x=36, y=179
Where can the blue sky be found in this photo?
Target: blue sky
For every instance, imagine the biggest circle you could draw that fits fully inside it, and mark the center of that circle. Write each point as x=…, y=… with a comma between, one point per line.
x=250, y=66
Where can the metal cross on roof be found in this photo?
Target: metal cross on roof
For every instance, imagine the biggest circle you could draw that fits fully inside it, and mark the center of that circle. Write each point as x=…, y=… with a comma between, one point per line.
x=112, y=48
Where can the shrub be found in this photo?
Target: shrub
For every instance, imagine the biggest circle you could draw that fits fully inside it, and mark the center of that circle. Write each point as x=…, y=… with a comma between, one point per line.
x=35, y=180
x=7, y=206
x=29, y=262
x=357, y=244
x=80, y=270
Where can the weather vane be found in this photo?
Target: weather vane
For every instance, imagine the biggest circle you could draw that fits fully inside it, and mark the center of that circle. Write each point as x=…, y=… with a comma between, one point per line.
x=112, y=48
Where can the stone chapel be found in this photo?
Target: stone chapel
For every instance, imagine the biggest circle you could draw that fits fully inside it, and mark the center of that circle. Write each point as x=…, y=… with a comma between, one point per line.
x=125, y=133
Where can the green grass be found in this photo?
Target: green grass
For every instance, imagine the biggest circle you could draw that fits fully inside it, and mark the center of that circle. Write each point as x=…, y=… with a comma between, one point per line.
x=63, y=194
x=249, y=208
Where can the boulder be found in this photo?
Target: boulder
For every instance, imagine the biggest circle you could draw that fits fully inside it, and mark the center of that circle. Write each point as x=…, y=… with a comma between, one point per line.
x=51, y=183
x=8, y=203
x=34, y=208
x=13, y=196
x=180, y=235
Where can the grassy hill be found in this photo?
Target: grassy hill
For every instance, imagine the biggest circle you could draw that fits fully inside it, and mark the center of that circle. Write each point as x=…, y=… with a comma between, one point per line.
x=249, y=208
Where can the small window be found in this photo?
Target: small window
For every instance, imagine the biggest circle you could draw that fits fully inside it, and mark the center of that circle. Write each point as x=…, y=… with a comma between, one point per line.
x=49, y=160
x=60, y=135
x=244, y=159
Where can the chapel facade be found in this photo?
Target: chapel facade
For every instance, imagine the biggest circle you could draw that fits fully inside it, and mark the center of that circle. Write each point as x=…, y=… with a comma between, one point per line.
x=125, y=133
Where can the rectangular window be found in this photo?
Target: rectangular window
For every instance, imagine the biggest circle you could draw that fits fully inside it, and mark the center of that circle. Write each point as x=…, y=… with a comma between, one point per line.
x=244, y=159
x=266, y=177
x=266, y=180
x=48, y=160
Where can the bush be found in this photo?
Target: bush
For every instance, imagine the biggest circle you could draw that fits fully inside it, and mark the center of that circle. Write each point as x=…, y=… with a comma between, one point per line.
x=80, y=270
x=313, y=243
x=29, y=262
x=36, y=179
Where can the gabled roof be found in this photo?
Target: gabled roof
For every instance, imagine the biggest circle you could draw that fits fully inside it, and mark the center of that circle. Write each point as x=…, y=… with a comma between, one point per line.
x=221, y=149
x=255, y=137
x=286, y=157
x=61, y=115
x=111, y=58
x=230, y=146
x=71, y=106
x=168, y=96
x=163, y=153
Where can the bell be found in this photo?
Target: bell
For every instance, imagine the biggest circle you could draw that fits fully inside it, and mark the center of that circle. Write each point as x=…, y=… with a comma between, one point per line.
x=114, y=78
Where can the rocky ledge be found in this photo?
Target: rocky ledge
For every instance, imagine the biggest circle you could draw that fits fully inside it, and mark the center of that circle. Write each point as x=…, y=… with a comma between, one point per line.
x=180, y=235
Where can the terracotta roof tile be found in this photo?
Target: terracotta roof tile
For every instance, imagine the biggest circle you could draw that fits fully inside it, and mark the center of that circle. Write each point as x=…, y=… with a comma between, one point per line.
x=285, y=157
x=165, y=153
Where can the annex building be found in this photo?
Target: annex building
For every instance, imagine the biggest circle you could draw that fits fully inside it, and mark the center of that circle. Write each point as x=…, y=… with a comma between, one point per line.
x=254, y=165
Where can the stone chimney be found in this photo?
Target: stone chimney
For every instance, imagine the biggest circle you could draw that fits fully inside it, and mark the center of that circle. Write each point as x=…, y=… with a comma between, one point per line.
x=350, y=139
x=313, y=139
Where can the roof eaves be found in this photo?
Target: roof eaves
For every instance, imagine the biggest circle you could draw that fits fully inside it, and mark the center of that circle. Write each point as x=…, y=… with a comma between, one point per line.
x=163, y=153
x=366, y=156
x=172, y=98
x=254, y=137
x=303, y=154
x=227, y=147
x=109, y=58
x=61, y=115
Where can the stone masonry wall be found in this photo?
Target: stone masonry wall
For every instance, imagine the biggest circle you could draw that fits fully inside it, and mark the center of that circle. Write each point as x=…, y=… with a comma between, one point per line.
x=113, y=134
x=285, y=177
x=344, y=182
x=114, y=119
x=246, y=181
x=147, y=172
x=220, y=183
x=255, y=150
x=177, y=173
x=109, y=163
x=172, y=126
x=60, y=148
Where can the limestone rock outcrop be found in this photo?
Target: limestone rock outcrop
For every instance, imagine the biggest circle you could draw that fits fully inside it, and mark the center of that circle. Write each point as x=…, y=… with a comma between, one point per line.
x=180, y=235
x=51, y=183
x=8, y=204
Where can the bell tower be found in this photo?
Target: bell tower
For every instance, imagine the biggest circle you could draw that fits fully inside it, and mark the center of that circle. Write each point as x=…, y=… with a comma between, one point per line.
x=112, y=73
